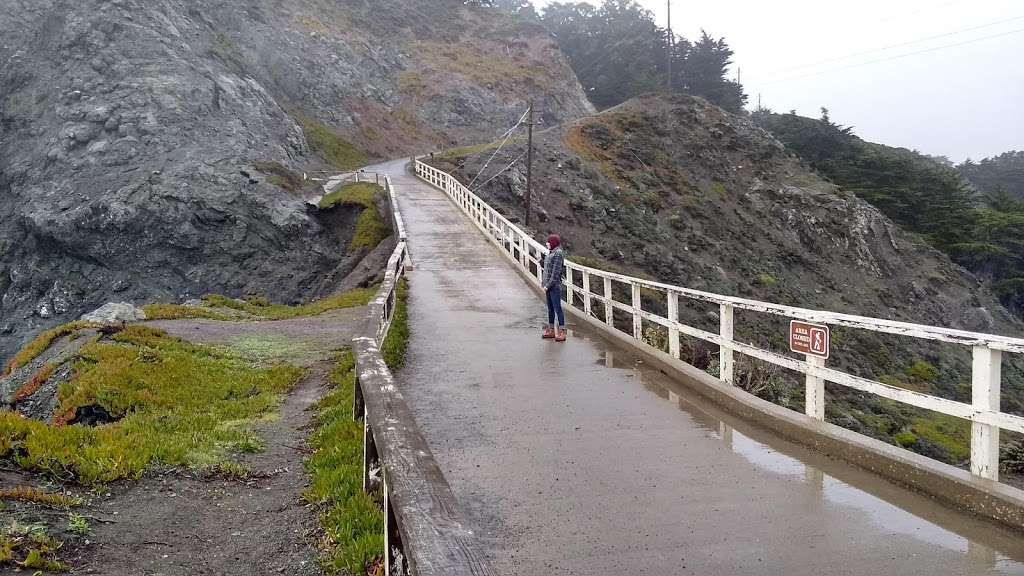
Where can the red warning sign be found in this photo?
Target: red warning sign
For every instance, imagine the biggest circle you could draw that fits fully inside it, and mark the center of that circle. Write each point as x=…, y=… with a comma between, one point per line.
x=810, y=339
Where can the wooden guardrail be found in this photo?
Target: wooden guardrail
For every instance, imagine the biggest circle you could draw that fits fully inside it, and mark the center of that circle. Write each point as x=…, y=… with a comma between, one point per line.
x=424, y=533
x=983, y=412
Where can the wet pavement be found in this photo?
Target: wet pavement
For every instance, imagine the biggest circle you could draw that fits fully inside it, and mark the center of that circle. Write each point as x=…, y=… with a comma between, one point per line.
x=575, y=459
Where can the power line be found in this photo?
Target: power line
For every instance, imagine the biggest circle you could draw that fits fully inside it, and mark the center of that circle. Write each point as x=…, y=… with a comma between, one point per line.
x=891, y=46
x=916, y=12
x=869, y=62
x=506, y=135
x=500, y=172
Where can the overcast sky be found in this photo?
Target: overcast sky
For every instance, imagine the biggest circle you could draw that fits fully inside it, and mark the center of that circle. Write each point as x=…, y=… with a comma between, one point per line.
x=961, y=101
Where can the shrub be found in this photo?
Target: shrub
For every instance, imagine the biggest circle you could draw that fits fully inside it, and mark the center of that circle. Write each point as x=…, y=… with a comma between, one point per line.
x=905, y=439
x=922, y=371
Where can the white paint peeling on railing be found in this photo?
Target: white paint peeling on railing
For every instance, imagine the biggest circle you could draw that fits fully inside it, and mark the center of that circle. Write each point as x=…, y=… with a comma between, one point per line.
x=983, y=412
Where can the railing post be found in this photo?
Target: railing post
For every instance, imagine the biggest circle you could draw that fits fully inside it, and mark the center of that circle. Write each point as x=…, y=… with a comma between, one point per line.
x=726, y=365
x=814, y=400
x=370, y=456
x=673, y=329
x=609, y=310
x=986, y=385
x=392, y=537
x=638, y=322
x=586, y=293
x=358, y=405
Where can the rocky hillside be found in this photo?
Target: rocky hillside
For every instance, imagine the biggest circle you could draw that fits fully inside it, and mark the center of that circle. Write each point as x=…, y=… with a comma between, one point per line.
x=155, y=150
x=679, y=190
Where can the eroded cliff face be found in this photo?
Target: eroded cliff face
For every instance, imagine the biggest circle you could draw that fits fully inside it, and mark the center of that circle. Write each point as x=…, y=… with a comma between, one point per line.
x=135, y=135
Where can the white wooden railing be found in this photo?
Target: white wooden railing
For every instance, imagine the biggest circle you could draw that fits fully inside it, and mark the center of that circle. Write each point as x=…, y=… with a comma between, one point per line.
x=983, y=412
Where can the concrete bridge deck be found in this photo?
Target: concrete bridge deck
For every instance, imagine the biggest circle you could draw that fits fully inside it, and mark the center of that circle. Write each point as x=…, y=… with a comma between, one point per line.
x=573, y=459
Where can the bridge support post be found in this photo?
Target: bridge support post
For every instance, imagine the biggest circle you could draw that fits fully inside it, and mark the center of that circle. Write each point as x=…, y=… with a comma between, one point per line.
x=609, y=310
x=587, y=305
x=638, y=322
x=814, y=402
x=392, y=537
x=673, y=329
x=358, y=405
x=726, y=365
x=370, y=456
x=986, y=385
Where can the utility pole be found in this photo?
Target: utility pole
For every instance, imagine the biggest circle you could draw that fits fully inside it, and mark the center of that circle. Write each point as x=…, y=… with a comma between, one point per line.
x=671, y=50
x=529, y=164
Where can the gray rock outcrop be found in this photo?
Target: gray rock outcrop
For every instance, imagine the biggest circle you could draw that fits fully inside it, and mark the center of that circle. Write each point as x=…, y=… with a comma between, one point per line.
x=130, y=131
x=115, y=313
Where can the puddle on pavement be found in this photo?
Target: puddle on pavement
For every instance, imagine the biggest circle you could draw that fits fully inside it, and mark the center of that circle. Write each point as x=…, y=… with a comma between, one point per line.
x=893, y=509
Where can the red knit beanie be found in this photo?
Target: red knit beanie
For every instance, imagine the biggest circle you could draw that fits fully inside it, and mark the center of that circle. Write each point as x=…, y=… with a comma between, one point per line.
x=554, y=241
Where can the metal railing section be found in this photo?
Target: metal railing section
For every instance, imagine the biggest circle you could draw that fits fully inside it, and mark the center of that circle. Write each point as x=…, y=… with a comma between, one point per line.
x=983, y=412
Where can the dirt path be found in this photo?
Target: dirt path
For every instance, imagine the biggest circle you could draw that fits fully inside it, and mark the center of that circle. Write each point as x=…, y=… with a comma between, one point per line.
x=177, y=523
x=181, y=525
x=301, y=341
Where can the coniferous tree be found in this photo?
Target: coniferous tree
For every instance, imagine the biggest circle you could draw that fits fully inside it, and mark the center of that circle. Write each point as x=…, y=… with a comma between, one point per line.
x=704, y=73
x=618, y=52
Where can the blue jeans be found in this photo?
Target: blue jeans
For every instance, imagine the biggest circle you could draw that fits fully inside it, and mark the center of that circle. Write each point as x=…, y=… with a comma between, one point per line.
x=554, y=299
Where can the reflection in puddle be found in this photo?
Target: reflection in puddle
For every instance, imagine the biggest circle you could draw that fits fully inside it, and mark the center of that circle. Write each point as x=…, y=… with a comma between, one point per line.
x=889, y=517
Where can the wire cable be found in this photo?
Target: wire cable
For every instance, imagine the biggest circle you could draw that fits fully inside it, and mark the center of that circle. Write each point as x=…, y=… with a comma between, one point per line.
x=891, y=46
x=507, y=135
x=500, y=172
x=869, y=62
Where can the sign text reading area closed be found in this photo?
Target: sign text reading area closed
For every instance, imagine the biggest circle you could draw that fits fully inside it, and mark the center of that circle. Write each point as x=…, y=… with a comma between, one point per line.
x=810, y=339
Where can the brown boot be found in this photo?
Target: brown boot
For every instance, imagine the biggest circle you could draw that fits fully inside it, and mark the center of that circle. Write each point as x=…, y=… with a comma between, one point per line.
x=560, y=336
x=549, y=333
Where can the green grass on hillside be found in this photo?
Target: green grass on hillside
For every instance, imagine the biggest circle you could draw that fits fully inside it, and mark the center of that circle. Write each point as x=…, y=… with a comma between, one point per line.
x=335, y=150
x=179, y=312
x=393, y=348
x=280, y=175
x=263, y=309
x=358, y=193
x=352, y=520
x=371, y=228
x=479, y=148
x=173, y=403
x=258, y=308
x=951, y=434
x=43, y=342
x=29, y=547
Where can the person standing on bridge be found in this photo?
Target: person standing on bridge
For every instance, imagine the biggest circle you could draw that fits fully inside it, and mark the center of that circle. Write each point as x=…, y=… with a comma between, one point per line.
x=551, y=281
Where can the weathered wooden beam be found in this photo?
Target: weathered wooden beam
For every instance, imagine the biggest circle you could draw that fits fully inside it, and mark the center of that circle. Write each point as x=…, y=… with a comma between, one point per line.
x=435, y=538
